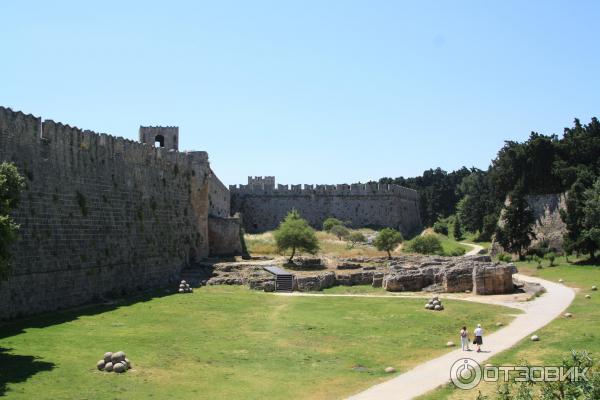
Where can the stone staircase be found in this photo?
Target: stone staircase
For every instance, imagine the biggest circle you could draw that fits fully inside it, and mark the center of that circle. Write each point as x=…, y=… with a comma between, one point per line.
x=284, y=281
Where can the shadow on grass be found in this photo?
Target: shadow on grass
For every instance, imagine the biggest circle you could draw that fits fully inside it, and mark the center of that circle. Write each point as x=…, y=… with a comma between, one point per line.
x=15, y=368
x=590, y=262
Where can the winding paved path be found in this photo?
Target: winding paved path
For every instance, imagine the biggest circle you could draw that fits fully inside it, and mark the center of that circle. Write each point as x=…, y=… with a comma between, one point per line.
x=431, y=374
x=475, y=249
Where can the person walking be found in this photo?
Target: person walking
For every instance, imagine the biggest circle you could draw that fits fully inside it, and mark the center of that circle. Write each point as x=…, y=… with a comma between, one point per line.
x=464, y=339
x=478, y=337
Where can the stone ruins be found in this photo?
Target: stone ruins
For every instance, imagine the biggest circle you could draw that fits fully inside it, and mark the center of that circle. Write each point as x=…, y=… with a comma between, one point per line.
x=263, y=204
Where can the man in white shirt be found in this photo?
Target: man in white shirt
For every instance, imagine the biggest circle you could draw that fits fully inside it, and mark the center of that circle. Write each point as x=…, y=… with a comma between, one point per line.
x=478, y=337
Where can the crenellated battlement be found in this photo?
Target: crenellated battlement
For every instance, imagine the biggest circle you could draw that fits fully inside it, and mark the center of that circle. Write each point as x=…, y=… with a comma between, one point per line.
x=355, y=189
x=53, y=134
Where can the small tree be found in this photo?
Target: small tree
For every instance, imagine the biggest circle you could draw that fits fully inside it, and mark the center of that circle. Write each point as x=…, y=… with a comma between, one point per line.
x=11, y=184
x=457, y=230
x=340, y=231
x=387, y=240
x=356, y=237
x=330, y=223
x=294, y=233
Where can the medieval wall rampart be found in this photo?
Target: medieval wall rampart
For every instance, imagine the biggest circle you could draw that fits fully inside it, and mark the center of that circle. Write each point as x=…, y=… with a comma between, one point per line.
x=263, y=206
x=100, y=216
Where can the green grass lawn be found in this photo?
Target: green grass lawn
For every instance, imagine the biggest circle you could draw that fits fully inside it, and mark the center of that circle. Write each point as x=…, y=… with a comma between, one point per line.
x=228, y=343
x=581, y=332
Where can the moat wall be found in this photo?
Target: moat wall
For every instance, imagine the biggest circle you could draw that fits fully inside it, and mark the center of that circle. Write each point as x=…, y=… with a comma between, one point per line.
x=362, y=205
x=101, y=216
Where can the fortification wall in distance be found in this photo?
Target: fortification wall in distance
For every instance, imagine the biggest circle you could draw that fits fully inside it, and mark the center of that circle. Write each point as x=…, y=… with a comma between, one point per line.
x=100, y=216
x=263, y=206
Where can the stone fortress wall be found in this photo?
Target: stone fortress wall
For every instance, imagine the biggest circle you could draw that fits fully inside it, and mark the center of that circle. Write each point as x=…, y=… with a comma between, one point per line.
x=263, y=204
x=104, y=216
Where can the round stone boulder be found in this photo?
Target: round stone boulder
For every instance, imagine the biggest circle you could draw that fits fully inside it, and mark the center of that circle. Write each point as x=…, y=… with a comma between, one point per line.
x=587, y=296
x=100, y=365
x=594, y=287
x=499, y=324
x=182, y=286
x=127, y=363
x=108, y=367
x=117, y=357
x=181, y=290
x=107, y=357
x=535, y=338
x=119, y=367
x=390, y=370
x=560, y=281
x=437, y=308
x=435, y=303
x=567, y=315
x=427, y=306
x=450, y=344
x=183, y=282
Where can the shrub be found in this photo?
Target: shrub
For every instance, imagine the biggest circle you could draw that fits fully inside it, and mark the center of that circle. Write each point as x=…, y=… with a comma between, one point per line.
x=387, y=239
x=356, y=237
x=538, y=260
x=330, y=223
x=340, y=231
x=441, y=227
x=294, y=233
x=458, y=252
x=504, y=257
x=550, y=256
x=426, y=244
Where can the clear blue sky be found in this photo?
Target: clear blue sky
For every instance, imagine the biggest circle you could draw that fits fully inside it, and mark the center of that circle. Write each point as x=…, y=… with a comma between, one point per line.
x=312, y=92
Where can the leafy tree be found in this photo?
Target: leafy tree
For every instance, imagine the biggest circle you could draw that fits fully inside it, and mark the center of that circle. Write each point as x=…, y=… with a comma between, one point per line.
x=340, y=231
x=441, y=227
x=294, y=233
x=387, y=240
x=516, y=232
x=330, y=223
x=426, y=244
x=457, y=229
x=575, y=241
x=356, y=237
x=11, y=184
x=591, y=219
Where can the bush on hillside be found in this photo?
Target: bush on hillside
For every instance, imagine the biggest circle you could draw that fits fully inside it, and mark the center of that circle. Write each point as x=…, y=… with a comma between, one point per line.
x=441, y=227
x=426, y=244
x=340, y=231
x=330, y=223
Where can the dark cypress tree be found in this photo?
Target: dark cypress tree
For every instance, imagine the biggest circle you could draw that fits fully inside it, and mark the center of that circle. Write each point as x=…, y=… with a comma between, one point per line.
x=516, y=231
x=457, y=230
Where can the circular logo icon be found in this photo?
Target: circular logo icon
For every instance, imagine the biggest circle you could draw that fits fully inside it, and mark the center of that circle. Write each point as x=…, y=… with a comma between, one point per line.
x=465, y=373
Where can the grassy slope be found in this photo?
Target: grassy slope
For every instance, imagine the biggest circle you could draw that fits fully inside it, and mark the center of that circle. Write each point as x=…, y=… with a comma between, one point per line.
x=581, y=332
x=227, y=343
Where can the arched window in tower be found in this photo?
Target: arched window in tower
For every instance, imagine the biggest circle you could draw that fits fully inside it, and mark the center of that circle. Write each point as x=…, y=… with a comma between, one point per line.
x=159, y=141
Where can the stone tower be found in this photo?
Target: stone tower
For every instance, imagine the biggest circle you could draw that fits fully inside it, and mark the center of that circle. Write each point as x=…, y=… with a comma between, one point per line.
x=166, y=137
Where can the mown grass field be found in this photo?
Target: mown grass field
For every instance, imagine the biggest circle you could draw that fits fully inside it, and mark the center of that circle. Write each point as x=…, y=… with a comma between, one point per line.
x=581, y=332
x=227, y=343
